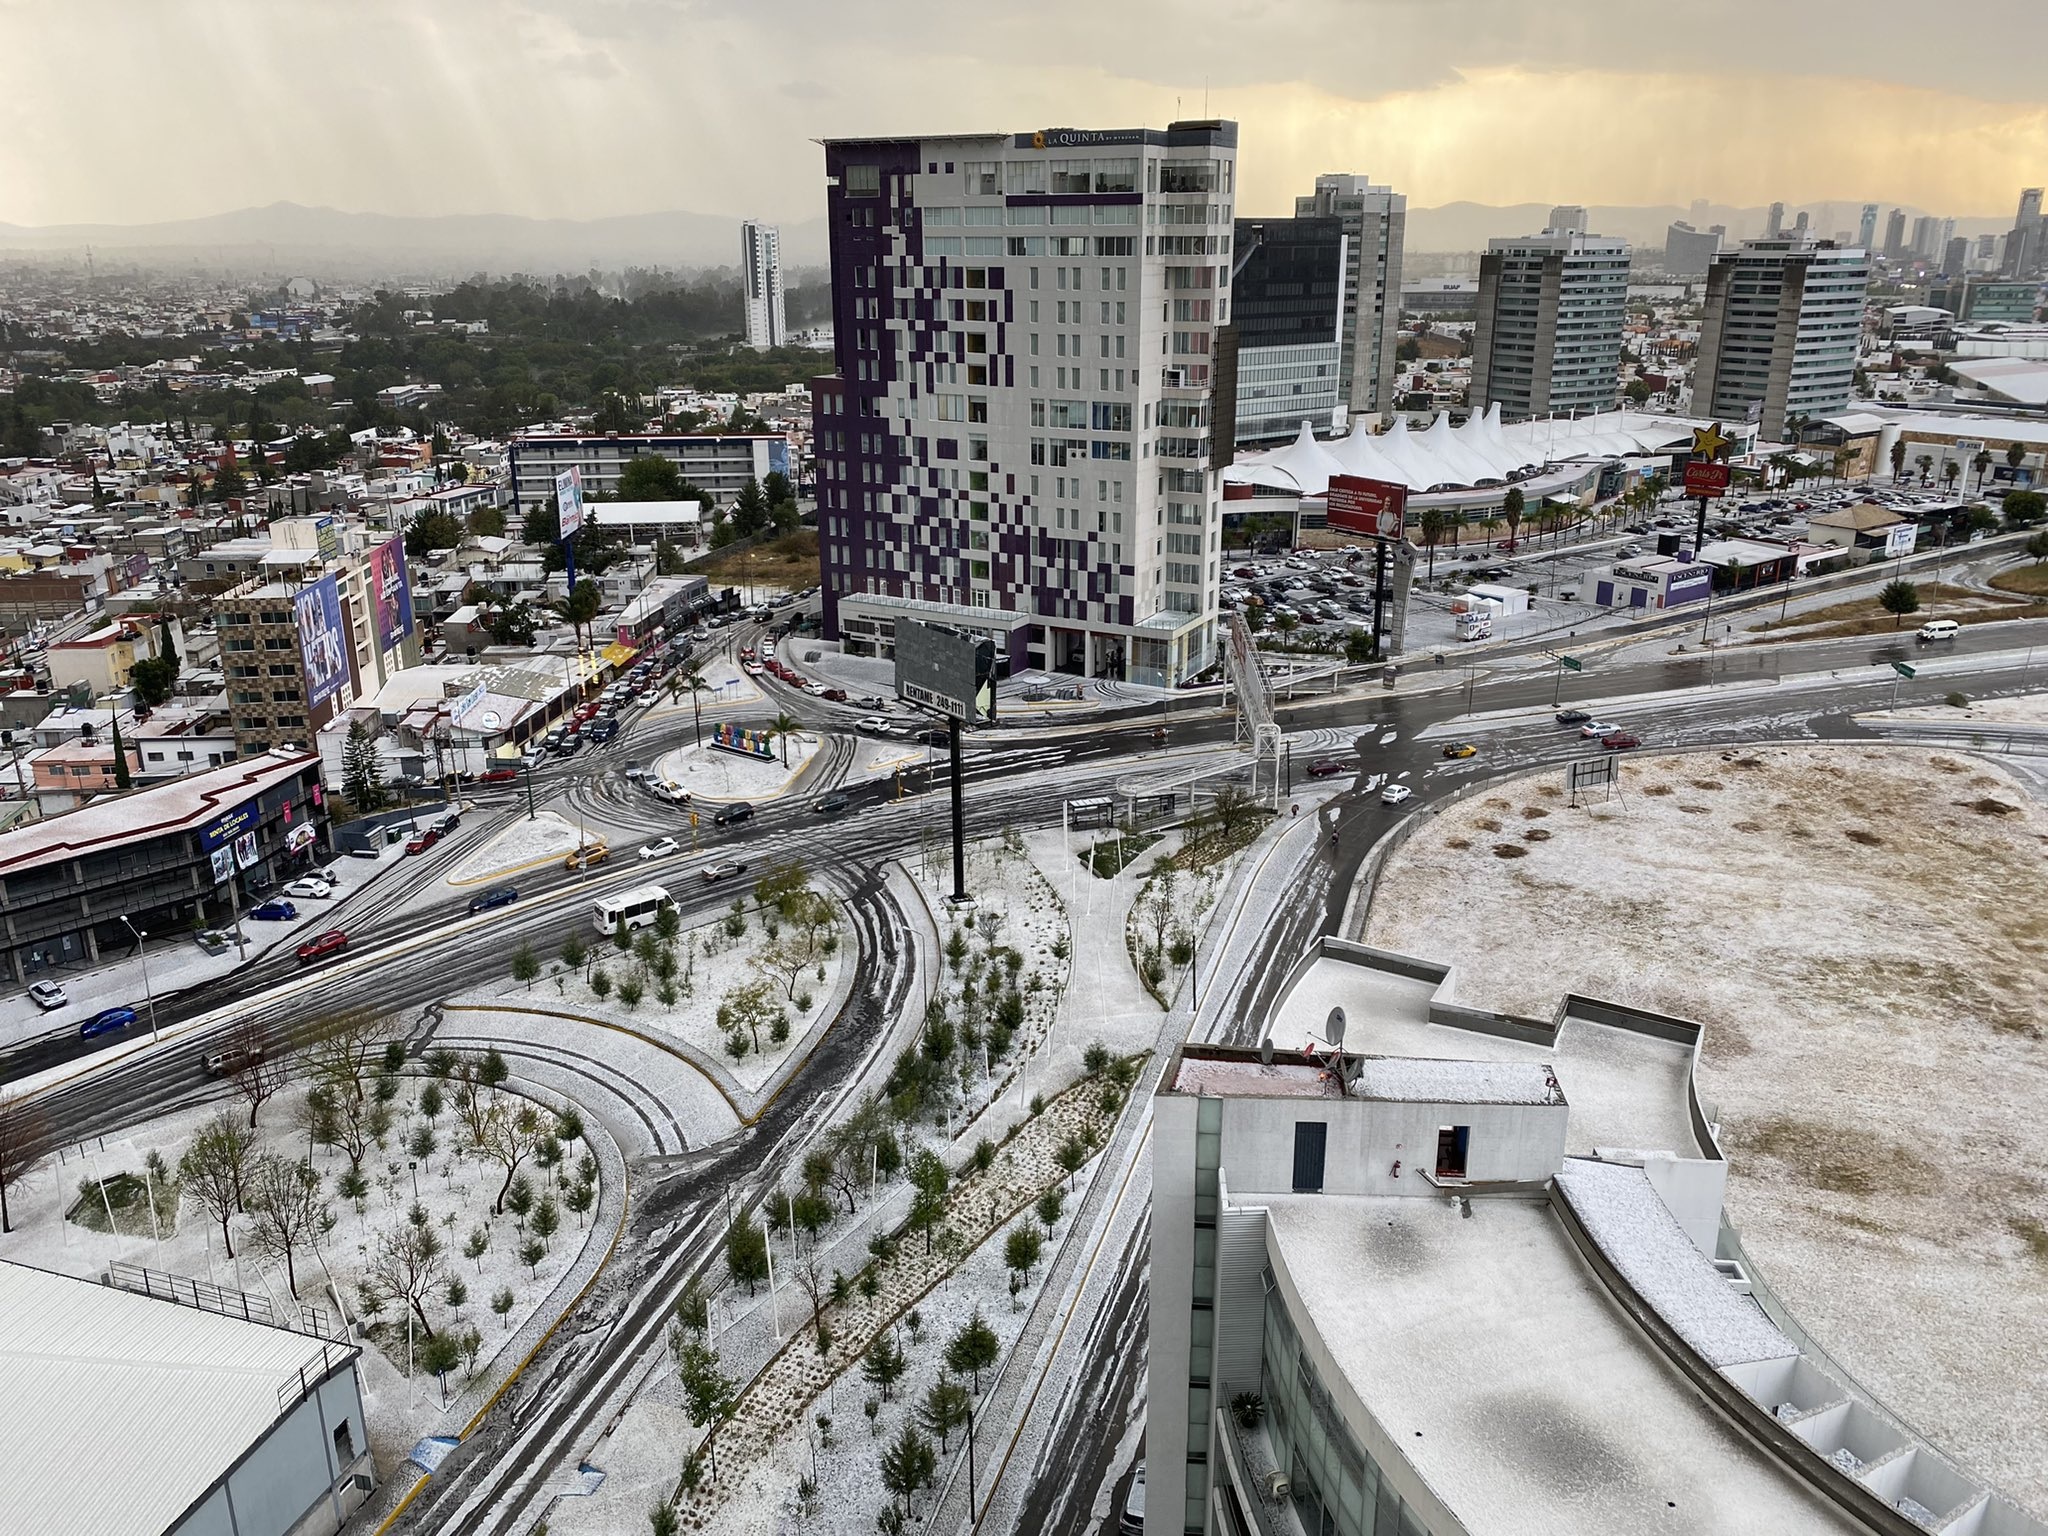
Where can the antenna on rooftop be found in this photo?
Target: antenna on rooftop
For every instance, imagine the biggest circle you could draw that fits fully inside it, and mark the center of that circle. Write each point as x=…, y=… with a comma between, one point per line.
x=1333, y=1029
x=1266, y=1051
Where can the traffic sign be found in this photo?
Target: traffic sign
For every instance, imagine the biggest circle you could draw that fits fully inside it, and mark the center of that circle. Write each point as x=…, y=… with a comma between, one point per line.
x=1572, y=663
x=1905, y=670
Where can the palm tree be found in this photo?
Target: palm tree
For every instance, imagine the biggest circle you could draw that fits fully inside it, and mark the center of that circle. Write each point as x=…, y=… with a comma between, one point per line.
x=781, y=726
x=1434, y=522
x=1950, y=469
x=1488, y=527
x=1898, y=459
x=1511, y=509
x=1925, y=464
x=1982, y=464
x=694, y=681
x=2015, y=455
x=1843, y=458
x=580, y=607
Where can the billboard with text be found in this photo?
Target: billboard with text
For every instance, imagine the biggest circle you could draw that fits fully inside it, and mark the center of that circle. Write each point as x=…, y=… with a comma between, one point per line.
x=391, y=592
x=1371, y=507
x=946, y=670
x=569, y=498
x=323, y=643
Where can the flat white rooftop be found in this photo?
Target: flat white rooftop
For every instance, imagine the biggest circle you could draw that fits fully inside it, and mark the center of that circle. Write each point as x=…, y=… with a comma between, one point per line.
x=1490, y=1354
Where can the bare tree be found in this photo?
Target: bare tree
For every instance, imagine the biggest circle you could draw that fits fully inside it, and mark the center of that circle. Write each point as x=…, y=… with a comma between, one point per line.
x=507, y=1134
x=817, y=1287
x=215, y=1168
x=345, y=1052
x=405, y=1268
x=808, y=920
x=284, y=1199
x=262, y=1064
x=24, y=1142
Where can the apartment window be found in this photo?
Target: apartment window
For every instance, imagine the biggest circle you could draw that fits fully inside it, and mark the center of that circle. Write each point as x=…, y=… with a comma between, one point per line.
x=981, y=178
x=863, y=181
x=1310, y=1138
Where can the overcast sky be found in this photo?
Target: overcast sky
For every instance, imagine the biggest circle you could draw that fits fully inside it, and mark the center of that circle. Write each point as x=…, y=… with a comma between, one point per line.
x=138, y=110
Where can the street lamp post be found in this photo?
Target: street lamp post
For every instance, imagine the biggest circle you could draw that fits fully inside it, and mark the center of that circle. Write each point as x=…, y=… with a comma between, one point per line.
x=147, y=991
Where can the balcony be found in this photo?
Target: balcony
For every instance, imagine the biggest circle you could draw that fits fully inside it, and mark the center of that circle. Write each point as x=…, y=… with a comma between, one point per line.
x=1246, y=1464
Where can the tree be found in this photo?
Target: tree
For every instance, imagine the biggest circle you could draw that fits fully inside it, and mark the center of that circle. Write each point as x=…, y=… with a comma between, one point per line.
x=215, y=1167
x=439, y=1354
x=154, y=679
x=1950, y=469
x=284, y=1199
x=782, y=727
x=613, y=416
x=651, y=477
x=693, y=680
x=945, y=1408
x=775, y=486
x=1924, y=463
x=1636, y=392
x=1898, y=598
x=525, y=964
x=1981, y=519
x=1435, y=522
x=1981, y=463
x=707, y=1391
x=2015, y=456
x=431, y=531
x=1511, y=511
x=583, y=604
x=908, y=1464
x=746, y=1252
x=1898, y=458
x=884, y=1365
x=504, y=1133
x=1022, y=1247
x=2037, y=545
x=973, y=1349
x=487, y=523
x=928, y=1178
x=262, y=1064
x=122, y=778
x=750, y=510
x=362, y=775
x=750, y=1006
x=1359, y=647
x=662, y=1520
x=24, y=1142
x=405, y=1267
x=2023, y=509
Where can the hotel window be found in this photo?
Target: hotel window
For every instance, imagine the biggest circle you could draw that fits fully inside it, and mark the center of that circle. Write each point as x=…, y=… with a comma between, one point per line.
x=863, y=181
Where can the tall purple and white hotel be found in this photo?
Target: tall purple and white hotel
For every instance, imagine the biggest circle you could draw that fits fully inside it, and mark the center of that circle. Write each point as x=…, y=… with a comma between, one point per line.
x=1035, y=393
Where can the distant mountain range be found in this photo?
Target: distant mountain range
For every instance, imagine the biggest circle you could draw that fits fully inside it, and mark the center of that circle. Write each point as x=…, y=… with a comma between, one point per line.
x=286, y=239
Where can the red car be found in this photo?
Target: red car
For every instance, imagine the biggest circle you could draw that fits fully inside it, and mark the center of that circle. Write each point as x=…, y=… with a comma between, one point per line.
x=332, y=942
x=424, y=841
x=499, y=776
x=1323, y=767
x=834, y=695
x=1620, y=741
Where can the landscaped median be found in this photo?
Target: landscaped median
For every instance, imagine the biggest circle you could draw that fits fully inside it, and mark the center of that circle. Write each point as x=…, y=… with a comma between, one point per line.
x=1042, y=1155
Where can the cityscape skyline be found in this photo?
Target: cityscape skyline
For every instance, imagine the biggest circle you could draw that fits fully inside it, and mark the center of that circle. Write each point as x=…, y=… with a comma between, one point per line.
x=1495, y=110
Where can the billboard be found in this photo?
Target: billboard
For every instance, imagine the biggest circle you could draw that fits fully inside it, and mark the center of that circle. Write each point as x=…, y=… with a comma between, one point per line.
x=569, y=498
x=1706, y=477
x=229, y=825
x=327, y=539
x=323, y=650
x=390, y=592
x=1372, y=507
x=946, y=670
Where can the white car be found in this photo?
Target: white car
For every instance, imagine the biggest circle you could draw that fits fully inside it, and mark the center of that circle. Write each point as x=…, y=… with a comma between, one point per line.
x=1594, y=728
x=47, y=994
x=660, y=848
x=635, y=773
x=1394, y=794
x=310, y=887
x=871, y=725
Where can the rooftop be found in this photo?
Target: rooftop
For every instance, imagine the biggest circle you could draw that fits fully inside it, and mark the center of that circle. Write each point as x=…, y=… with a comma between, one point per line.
x=1514, y=1385
x=180, y=805
x=1419, y=1080
x=146, y=1402
x=1861, y=518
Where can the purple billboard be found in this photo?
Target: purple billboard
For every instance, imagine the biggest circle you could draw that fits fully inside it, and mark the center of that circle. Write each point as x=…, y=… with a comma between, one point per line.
x=390, y=592
x=323, y=647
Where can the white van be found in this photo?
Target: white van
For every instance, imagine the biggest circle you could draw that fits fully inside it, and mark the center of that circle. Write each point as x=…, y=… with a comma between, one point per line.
x=1937, y=629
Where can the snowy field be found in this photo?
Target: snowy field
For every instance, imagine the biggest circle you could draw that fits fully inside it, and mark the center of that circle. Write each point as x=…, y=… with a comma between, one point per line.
x=2028, y=709
x=1864, y=933
x=542, y=838
x=710, y=773
x=456, y=1191
x=710, y=966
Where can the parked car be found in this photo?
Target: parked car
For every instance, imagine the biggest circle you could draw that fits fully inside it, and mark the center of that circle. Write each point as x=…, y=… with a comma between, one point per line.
x=603, y=731
x=309, y=887
x=589, y=856
x=1572, y=717
x=732, y=815
x=1132, y=1521
x=1620, y=741
x=838, y=803
x=332, y=942
x=1394, y=794
x=274, y=912
x=834, y=695
x=491, y=899
x=1460, y=749
x=424, y=841
x=47, y=995
x=872, y=701
x=106, y=1022
x=660, y=848
x=499, y=776
x=1323, y=767
x=726, y=870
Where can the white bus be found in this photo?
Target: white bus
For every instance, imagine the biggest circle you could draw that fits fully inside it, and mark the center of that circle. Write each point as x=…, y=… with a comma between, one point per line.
x=635, y=908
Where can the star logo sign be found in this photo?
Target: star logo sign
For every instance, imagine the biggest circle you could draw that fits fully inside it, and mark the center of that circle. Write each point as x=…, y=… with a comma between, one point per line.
x=1709, y=442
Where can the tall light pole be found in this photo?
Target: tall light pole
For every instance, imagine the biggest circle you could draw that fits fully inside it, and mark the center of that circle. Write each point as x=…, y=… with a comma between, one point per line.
x=147, y=990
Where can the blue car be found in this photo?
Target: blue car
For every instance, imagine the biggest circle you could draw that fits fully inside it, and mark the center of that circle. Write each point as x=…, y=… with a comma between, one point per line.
x=275, y=912
x=106, y=1022
x=497, y=896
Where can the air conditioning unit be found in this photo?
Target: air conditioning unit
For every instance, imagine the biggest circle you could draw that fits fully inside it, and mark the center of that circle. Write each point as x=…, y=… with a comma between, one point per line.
x=1277, y=1486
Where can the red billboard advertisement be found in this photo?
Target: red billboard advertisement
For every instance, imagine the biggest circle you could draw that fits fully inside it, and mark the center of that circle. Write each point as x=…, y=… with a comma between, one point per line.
x=1705, y=477
x=1372, y=507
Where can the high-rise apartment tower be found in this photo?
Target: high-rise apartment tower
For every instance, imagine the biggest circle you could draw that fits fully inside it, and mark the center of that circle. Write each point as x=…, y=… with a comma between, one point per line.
x=1551, y=308
x=1779, y=340
x=1375, y=224
x=761, y=271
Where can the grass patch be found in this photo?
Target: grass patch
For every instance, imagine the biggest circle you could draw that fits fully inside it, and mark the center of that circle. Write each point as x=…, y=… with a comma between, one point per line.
x=2033, y=1234
x=1110, y=857
x=1509, y=851
x=2027, y=580
x=1989, y=807
x=1656, y=789
x=1843, y=1164
x=1867, y=839
x=791, y=559
x=1533, y=813
x=1536, y=835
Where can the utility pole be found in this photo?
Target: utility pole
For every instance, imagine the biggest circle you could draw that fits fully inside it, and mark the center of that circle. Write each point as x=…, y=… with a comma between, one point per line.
x=148, y=991
x=959, y=812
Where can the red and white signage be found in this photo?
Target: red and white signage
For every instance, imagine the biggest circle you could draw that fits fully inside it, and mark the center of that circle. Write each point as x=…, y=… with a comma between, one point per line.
x=1706, y=477
x=1372, y=507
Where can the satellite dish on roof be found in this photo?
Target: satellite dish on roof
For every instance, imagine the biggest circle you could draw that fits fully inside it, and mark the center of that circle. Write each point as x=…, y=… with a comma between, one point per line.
x=1266, y=1051
x=1333, y=1028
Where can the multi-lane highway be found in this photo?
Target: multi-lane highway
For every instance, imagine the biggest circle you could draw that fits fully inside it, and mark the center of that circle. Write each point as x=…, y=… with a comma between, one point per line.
x=413, y=944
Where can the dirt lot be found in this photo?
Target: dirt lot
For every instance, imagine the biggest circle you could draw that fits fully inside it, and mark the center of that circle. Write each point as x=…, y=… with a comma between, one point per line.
x=1864, y=932
x=1864, y=615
